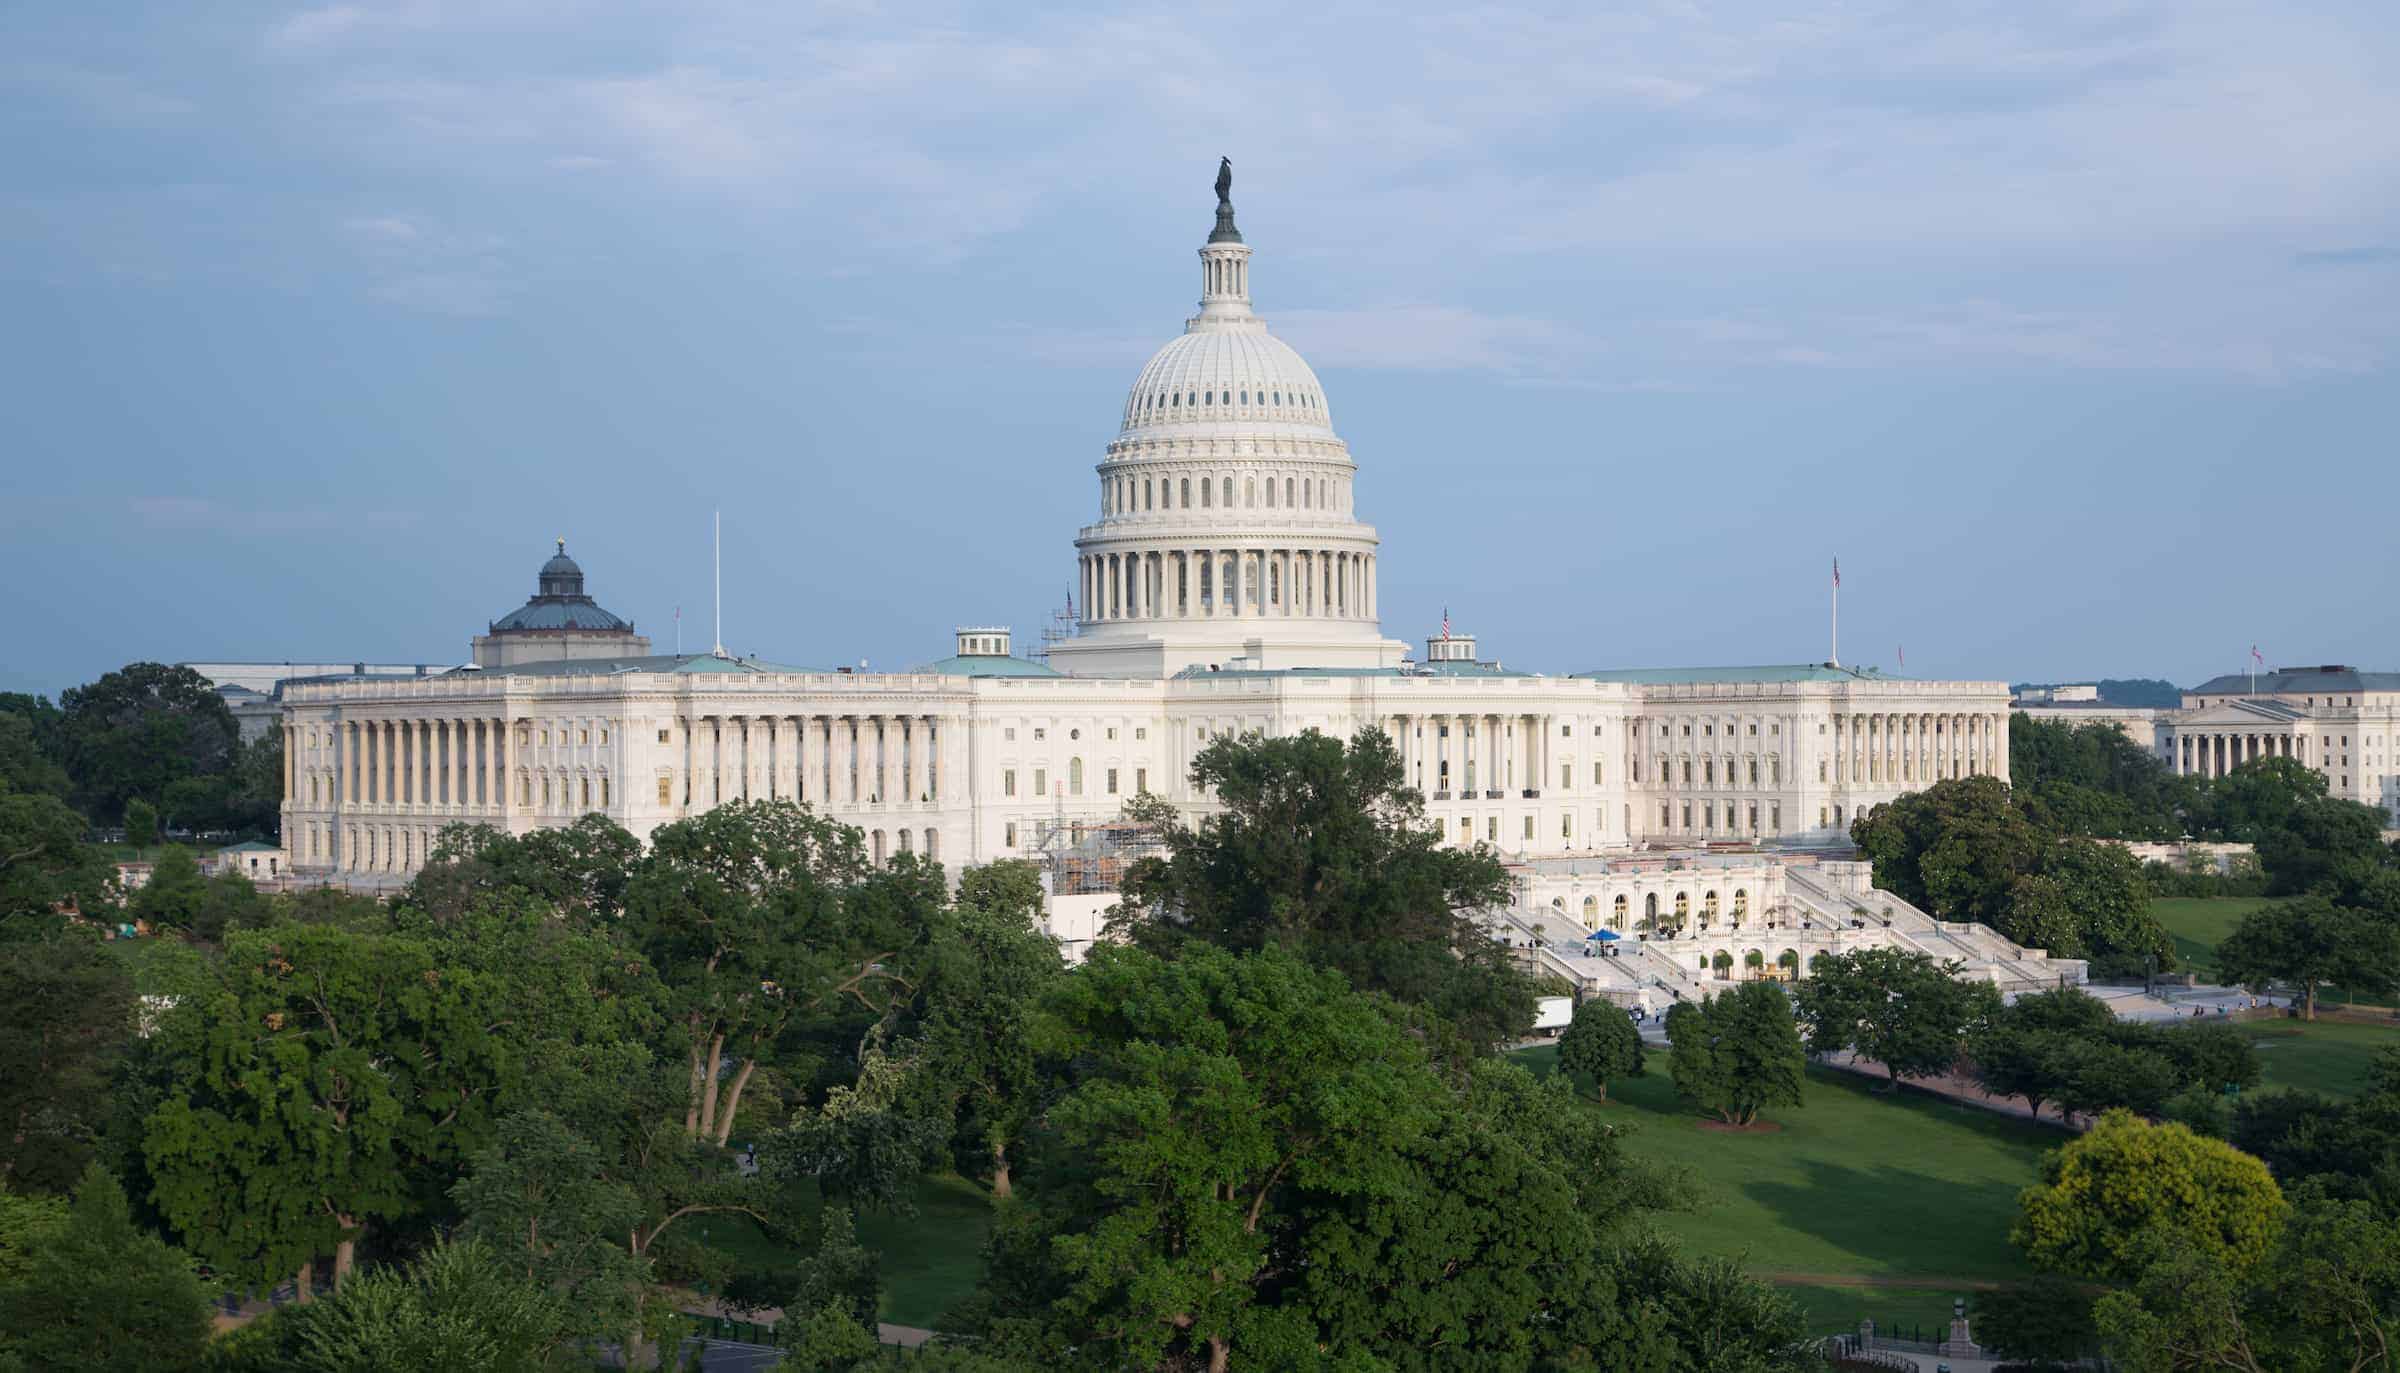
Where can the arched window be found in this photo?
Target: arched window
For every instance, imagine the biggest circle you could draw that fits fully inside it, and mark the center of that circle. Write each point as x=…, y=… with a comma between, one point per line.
x=1591, y=911
x=1204, y=493
x=1278, y=397
x=1185, y=494
x=1287, y=492
x=933, y=845
x=1617, y=912
x=1249, y=491
x=1683, y=905
x=1229, y=493
x=904, y=847
x=1176, y=402
x=1708, y=908
x=1307, y=495
x=877, y=841
x=1270, y=493
x=1741, y=903
x=1245, y=398
x=1075, y=776
x=1147, y=497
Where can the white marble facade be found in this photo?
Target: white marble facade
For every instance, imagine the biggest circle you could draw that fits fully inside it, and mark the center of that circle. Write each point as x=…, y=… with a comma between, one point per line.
x=1226, y=586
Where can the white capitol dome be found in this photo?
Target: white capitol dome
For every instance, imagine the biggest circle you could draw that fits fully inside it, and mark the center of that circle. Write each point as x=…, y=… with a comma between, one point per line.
x=1222, y=372
x=1226, y=531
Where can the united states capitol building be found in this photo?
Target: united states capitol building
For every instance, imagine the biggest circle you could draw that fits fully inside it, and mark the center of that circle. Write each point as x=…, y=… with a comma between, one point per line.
x=1228, y=584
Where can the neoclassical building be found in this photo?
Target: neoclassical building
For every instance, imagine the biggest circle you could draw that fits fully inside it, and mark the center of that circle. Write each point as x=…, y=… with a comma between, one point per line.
x=1228, y=584
x=2335, y=719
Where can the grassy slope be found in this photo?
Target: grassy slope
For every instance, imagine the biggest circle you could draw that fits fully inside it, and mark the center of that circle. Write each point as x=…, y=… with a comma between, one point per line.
x=2324, y=1056
x=2200, y=923
x=1855, y=1184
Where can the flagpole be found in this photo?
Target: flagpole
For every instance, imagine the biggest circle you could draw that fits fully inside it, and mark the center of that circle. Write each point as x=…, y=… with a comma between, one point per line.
x=1836, y=660
x=717, y=573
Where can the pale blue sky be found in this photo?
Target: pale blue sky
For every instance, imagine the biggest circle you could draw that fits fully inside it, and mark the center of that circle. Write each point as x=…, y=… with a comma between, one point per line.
x=2070, y=328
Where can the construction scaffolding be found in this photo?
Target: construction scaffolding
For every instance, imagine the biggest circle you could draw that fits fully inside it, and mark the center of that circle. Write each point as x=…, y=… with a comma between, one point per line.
x=1089, y=855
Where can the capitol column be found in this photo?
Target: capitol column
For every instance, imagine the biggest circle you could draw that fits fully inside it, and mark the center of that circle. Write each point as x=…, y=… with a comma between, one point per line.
x=504, y=767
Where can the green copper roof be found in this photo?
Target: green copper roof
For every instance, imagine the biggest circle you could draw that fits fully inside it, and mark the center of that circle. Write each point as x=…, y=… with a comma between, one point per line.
x=987, y=665
x=1771, y=673
x=1414, y=670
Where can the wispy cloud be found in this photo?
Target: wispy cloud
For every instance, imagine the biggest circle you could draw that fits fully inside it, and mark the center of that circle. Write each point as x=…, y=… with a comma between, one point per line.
x=2367, y=256
x=418, y=265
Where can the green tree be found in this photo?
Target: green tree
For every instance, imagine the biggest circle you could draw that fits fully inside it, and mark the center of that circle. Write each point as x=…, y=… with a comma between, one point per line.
x=544, y=1203
x=456, y=1307
x=1738, y=1052
x=66, y=1013
x=141, y=824
x=757, y=915
x=1325, y=850
x=2093, y=780
x=99, y=1294
x=829, y=1319
x=2309, y=943
x=2325, y=845
x=2260, y=797
x=44, y=863
x=2103, y=1192
x=141, y=729
x=1601, y=1043
x=978, y=1008
x=229, y=902
x=1955, y=848
x=2014, y=1060
x=1213, y=1086
x=1896, y=1006
x=2046, y=1318
x=2103, y=885
x=172, y=898
x=580, y=871
x=27, y=740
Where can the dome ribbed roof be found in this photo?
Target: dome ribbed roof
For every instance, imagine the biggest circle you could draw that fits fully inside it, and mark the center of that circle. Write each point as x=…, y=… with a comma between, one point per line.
x=1213, y=375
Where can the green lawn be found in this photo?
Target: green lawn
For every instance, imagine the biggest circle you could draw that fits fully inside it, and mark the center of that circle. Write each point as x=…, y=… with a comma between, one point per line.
x=2200, y=923
x=1854, y=1184
x=930, y=1259
x=2319, y=1056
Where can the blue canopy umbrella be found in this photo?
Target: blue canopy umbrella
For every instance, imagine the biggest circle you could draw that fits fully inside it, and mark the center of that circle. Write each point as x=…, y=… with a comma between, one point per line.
x=1609, y=936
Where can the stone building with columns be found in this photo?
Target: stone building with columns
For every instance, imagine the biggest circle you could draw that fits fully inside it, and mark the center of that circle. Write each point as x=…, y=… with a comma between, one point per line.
x=1227, y=585
x=2335, y=719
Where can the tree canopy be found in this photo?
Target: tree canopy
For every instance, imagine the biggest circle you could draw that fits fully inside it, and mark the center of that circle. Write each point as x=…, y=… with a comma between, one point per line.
x=2103, y=1195
x=1321, y=848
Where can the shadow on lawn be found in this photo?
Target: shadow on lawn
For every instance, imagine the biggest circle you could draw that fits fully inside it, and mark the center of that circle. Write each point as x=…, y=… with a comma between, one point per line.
x=1896, y=1220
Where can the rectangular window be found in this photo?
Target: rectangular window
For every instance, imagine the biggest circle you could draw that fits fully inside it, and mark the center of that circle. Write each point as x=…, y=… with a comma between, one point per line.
x=1112, y=731
x=1566, y=827
x=1775, y=817
x=1041, y=734
x=1041, y=781
x=603, y=736
x=1112, y=780
x=1687, y=815
x=1008, y=781
x=604, y=792
x=666, y=791
x=1141, y=779
x=1491, y=829
x=583, y=736
x=1141, y=733
x=1009, y=835
x=1666, y=815
x=1010, y=734
x=1566, y=731
x=1466, y=830
x=662, y=736
x=1823, y=819
x=1528, y=827
x=1566, y=776
x=1598, y=772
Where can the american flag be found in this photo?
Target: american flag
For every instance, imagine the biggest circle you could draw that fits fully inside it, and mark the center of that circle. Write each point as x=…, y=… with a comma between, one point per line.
x=1837, y=573
x=1445, y=624
x=2255, y=655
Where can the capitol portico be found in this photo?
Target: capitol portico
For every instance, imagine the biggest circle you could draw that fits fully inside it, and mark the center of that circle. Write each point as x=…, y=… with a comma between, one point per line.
x=1227, y=585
